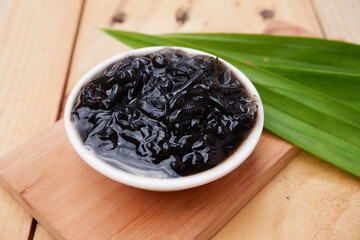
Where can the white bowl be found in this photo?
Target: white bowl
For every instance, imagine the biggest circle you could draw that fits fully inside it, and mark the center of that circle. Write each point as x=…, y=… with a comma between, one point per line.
x=169, y=184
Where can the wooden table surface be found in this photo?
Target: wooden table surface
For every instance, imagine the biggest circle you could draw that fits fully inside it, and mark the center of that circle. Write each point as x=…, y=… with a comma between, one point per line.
x=46, y=46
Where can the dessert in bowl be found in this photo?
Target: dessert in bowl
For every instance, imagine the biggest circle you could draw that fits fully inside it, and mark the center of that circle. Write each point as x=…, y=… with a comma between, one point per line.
x=164, y=118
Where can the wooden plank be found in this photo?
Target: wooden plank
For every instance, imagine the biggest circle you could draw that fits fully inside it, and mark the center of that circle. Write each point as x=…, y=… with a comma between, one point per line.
x=309, y=199
x=340, y=19
x=65, y=195
x=33, y=62
x=36, y=40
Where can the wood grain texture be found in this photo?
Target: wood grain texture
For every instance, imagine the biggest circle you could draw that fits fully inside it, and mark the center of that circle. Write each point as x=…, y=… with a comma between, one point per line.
x=35, y=43
x=309, y=199
x=15, y=222
x=94, y=46
x=73, y=201
x=340, y=19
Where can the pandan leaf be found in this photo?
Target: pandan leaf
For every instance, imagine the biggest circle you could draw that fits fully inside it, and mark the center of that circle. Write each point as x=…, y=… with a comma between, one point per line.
x=305, y=100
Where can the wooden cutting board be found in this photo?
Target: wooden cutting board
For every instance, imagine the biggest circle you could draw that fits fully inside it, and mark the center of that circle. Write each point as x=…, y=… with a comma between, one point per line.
x=73, y=201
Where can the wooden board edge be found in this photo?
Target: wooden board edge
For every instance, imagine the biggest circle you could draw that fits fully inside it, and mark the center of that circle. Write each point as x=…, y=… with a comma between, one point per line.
x=42, y=221
x=18, y=196
x=261, y=183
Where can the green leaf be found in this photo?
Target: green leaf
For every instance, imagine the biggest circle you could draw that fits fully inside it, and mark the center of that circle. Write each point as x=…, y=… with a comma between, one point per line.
x=310, y=117
x=344, y=87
